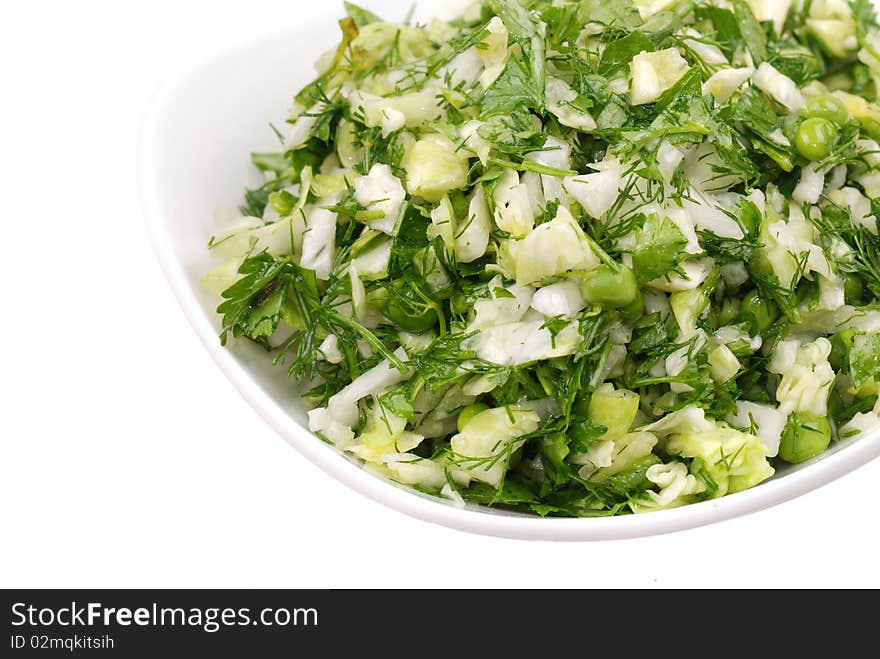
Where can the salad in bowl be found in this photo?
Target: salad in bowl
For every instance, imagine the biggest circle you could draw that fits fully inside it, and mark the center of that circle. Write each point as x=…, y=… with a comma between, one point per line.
x=575, y=257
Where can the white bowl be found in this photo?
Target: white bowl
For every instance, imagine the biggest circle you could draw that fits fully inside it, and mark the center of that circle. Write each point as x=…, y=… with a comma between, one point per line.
x=195, y=156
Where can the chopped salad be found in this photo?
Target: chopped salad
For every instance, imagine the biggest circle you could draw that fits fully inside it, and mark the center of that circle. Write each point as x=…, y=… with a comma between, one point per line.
x=575, y=257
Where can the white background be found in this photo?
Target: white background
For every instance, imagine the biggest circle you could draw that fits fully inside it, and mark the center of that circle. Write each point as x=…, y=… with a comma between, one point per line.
x=128, y=460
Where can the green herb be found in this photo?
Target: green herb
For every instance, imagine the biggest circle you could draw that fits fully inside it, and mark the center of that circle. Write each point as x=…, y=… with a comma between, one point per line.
x=752, y=33
x=658, y=248
x=361, y=16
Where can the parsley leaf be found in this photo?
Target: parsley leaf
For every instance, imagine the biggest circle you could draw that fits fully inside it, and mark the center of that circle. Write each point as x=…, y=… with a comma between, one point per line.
x=620, y=52
x=528, y=33
x=763, y=127
x=252, y=306
x=658, y=248
x=515, y=89
x=864, y=359
x=362, y=17
x=610, y=13
x=752, y=33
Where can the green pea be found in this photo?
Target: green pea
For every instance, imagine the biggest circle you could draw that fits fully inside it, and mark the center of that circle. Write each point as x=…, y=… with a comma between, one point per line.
x=730, y=309
x=826, y=107
x=400, y=316
x=712, y=318
x=406, y=309
x=468, y=413
x=459, y=304
x=805, y=437
x=635, y=309
x=609, y=287
x=760, y=313
x=854, y=289
x=761, y=265
x=816, y=138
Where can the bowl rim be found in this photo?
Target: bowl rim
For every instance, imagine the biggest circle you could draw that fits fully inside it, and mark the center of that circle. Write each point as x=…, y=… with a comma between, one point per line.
x=406, y=500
